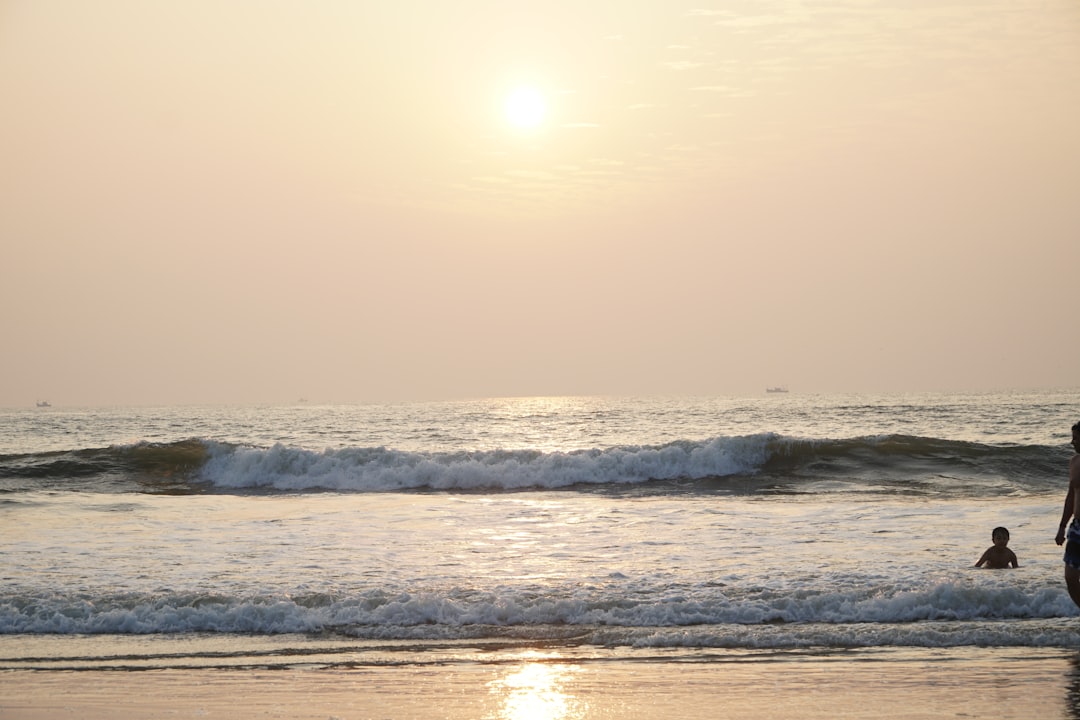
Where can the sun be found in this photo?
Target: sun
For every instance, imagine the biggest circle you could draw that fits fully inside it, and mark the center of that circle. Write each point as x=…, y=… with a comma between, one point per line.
x=526, y=107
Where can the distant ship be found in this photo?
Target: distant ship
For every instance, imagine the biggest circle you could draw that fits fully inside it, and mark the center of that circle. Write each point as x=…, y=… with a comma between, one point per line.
x=776, y=389
x=43, y=403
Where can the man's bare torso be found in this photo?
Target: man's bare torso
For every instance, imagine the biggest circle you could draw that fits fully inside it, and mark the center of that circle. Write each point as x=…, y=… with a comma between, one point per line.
x=1074, y=483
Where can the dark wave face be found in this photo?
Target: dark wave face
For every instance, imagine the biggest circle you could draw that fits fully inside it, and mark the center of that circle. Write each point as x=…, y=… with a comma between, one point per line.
x=916, y=464
x=755, y=464
x=169, y=468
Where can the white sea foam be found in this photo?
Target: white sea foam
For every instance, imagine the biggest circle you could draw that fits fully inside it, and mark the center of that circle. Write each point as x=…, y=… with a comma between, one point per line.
x=381, y=469
x=953, y=614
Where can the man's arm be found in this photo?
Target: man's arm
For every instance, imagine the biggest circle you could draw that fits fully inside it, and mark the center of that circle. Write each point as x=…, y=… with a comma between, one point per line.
x=1067, y=511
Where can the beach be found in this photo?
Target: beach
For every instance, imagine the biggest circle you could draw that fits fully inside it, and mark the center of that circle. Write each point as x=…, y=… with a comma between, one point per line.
x=915, y=684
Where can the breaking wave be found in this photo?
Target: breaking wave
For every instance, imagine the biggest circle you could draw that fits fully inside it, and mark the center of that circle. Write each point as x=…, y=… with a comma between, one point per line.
x=760, y=463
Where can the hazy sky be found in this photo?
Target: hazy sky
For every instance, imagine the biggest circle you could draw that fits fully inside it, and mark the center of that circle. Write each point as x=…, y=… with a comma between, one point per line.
x=225, y=201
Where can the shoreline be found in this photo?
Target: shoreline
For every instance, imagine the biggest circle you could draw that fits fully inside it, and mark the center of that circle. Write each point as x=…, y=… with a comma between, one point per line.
x=896, y=683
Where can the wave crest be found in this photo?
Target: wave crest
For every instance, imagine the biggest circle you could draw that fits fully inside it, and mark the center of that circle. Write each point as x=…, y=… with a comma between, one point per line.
x=382, y=469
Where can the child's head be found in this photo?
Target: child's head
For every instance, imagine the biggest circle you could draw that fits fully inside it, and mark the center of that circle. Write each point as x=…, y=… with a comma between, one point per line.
x=1000, y=536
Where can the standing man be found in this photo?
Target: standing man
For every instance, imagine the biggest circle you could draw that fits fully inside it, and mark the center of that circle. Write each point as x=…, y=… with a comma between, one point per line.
x=1072, y=510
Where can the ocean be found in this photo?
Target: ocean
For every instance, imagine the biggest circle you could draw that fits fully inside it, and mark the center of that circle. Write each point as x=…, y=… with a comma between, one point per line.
x=451, y=533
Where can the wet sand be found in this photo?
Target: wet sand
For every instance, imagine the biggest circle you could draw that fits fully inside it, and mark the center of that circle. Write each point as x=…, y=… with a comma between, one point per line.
x=966, y=683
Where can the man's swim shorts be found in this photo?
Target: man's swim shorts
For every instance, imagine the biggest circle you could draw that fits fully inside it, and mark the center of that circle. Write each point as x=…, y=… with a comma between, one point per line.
x=1072, y=545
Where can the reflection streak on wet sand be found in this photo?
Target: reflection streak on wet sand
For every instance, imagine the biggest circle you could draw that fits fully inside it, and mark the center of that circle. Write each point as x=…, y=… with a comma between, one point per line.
x=921, y=684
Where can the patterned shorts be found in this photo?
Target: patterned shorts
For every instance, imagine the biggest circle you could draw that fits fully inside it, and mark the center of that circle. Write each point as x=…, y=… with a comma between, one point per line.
x=1072, y=545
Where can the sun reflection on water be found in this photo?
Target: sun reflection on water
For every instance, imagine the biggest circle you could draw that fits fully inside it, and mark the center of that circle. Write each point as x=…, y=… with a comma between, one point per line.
x=536, y=691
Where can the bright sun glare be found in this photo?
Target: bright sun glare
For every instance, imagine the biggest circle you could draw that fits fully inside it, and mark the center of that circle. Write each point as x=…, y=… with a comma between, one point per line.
x=526, y=107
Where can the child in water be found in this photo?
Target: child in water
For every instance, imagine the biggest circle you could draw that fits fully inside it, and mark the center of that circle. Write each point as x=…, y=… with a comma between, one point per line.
x=998, y=555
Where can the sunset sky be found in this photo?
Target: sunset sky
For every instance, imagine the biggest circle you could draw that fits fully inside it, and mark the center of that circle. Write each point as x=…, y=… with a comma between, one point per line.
x=237, y=201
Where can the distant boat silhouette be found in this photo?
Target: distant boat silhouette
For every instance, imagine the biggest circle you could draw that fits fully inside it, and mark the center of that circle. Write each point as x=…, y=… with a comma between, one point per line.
x=776, y=389
x=43, y=403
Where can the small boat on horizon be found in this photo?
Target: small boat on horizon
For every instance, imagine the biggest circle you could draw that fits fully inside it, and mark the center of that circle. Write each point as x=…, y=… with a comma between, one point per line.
x=43, y=403
x=776, y=389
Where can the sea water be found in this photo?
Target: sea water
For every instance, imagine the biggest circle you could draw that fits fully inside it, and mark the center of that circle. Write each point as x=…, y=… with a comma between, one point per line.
x=434, y=532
